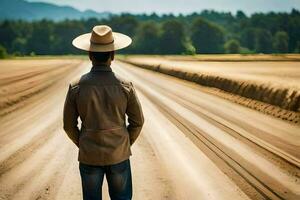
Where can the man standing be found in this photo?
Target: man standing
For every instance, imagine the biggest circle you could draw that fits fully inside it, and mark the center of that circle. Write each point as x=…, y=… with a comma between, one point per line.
x=101, y=101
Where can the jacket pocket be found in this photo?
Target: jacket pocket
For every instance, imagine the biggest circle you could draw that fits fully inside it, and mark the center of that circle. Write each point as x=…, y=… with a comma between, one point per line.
x=106, y=138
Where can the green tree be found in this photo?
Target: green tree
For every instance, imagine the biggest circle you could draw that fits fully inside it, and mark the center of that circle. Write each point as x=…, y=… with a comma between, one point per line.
x=297, y=49
x=189, y=47
x=19, y=46
x=293, y=29
x=207, y=37
x=3, y=53
x=281, y=42
x=206, y=32
x=240, y=15
x=263, y=42
x=62, y=35
x=125, y=23
x=172, y=39
x=41, y=41
x=8, y=34
x=248, y=38
x=232, y=46
x=146, y=40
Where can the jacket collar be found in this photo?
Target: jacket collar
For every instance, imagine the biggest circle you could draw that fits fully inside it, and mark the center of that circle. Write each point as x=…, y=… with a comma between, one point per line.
x=101, y=68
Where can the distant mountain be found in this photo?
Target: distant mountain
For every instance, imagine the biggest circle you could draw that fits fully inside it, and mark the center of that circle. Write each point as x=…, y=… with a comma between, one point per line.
x=21, y=9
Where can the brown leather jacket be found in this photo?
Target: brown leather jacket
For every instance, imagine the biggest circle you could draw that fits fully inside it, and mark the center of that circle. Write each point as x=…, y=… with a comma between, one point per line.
x=101, y=101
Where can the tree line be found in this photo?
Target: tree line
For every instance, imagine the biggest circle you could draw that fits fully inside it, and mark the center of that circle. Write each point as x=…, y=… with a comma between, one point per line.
x=206, y=32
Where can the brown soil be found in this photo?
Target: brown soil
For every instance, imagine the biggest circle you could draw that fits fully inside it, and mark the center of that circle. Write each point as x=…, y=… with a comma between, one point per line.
x=270, y=87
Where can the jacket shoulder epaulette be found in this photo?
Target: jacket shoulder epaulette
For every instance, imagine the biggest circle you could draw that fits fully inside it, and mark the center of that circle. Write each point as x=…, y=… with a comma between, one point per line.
x=74, y=83
x=124, y=81
x=127, y=84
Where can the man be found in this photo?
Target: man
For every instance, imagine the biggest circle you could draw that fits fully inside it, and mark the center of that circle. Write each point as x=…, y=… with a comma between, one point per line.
x=101, y=101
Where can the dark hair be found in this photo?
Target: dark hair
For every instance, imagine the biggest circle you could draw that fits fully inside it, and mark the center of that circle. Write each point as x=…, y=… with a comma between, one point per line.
x=100, y=56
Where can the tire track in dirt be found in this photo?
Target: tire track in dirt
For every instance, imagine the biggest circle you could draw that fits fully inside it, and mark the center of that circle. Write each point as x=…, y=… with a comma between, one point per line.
x=17, y=92
x=26, y=159
x=281, y=186
x=40, y=143
x=13, y=79
x=17, y=178
x=49, y=181
x=22, y=154
x=276, y=95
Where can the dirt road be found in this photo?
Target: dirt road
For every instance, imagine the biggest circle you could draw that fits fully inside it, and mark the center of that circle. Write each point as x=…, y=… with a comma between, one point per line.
x=271, y=86
x=193, y=145
x=284, y=73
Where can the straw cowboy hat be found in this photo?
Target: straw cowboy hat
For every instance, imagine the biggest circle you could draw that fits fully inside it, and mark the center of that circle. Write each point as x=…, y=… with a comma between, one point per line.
x=102, y=39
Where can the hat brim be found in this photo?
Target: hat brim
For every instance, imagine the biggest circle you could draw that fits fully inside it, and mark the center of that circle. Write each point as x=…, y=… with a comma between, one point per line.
x=83, y=42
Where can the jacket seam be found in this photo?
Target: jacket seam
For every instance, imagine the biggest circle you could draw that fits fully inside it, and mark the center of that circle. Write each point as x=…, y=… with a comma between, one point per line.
x=111, y=129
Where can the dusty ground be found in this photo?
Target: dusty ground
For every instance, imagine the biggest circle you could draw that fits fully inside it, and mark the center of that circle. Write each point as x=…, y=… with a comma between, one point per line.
x=235, y=57
x=285, y=73
x=193, y=146
x=273, y=85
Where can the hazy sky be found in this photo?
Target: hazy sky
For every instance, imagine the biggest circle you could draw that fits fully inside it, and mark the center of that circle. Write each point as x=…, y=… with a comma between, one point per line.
x=179, y=6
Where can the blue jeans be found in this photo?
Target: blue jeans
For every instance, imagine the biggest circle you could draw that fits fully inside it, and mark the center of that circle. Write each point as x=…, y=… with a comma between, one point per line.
x=118, y=178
